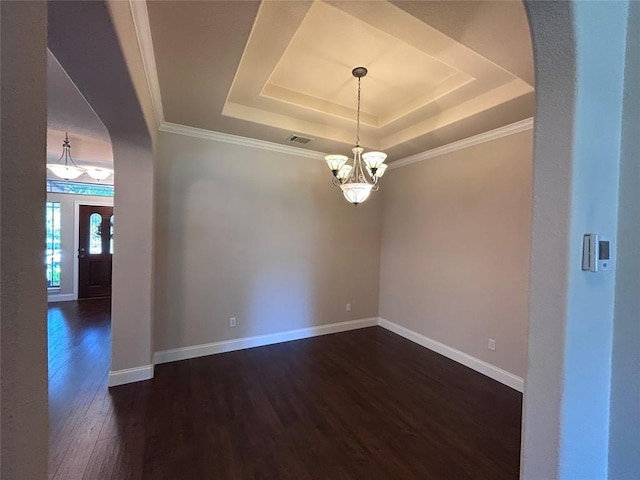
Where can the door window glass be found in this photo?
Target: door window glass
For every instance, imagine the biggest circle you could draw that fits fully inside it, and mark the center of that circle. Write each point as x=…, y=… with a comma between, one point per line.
x=95, y=234
x=79, y=188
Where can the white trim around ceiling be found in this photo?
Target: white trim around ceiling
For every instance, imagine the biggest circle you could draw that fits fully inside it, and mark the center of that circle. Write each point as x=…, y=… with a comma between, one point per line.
x=238, y=140
x=140, y=16
x=142, y=26
x=507, y=130
x=511, y=129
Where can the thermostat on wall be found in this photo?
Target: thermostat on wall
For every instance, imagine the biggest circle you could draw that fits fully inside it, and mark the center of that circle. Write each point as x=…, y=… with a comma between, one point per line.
x=596, y=253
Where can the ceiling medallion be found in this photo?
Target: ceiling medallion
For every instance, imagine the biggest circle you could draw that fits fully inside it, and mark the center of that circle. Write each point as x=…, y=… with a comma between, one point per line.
x=355, y=185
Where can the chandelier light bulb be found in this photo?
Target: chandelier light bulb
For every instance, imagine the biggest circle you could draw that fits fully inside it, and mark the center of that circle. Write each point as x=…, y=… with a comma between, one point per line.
x=344, y=172
x=356, y=193
x=336, y=162
x=373, y=160
x=380, y=172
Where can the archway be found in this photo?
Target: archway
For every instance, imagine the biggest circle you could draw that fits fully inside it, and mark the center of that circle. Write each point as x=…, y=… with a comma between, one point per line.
x=573, y=319
x=96, y=65
x=579, y=54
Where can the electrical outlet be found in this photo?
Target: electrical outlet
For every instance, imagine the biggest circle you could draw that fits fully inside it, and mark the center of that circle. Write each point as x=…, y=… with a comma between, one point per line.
x=232, y=322
x=492, y=344
x=348, y=307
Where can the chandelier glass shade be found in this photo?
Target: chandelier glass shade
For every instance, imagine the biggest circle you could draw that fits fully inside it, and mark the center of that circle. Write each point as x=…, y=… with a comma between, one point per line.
x=355, y=180
x=67, y=169
x=66, y=172
x=381, y=169
x=98, y=173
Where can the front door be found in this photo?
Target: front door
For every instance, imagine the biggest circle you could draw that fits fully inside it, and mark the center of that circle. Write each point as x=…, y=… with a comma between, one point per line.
x=95, y=251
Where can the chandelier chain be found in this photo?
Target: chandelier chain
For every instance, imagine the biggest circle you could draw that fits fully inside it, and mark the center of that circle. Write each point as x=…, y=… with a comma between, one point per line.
x=358, y=117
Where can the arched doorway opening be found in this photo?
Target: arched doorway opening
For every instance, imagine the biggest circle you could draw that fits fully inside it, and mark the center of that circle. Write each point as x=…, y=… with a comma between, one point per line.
x=559, y=396
x=583, y=51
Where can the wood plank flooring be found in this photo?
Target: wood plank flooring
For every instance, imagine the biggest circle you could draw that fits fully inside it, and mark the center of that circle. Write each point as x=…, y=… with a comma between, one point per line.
x=359, y=405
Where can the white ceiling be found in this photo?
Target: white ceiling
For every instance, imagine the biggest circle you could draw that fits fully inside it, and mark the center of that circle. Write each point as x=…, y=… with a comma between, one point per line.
x=438, y=71
x=68, y=111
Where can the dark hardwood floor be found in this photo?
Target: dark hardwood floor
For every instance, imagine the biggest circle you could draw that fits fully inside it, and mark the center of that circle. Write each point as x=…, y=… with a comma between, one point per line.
x=365, y=404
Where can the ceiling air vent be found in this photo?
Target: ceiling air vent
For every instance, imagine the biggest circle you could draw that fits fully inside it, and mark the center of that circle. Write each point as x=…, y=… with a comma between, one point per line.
x=298, y=139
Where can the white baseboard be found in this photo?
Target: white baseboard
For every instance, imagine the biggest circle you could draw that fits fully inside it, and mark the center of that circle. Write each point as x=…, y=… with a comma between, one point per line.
x=195, y=351
x=480, y=366
x=130, y=375
x=60, y=297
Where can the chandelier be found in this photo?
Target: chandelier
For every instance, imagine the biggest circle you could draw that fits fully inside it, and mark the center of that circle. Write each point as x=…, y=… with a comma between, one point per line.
x=355, y=185
x=67, y=169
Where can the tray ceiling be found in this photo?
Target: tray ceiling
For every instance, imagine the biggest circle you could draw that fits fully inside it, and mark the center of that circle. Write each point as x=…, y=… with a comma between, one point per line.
x=267, y=70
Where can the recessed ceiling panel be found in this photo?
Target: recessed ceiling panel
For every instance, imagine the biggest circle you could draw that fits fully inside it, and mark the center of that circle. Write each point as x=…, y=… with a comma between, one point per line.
x=438, y=71
x=330, y=42
x=299, y=76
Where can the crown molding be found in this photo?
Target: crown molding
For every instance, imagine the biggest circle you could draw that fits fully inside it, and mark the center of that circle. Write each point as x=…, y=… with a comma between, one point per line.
x=142, y=27
x=517, y=127
x=507, y=130
x=238, y=140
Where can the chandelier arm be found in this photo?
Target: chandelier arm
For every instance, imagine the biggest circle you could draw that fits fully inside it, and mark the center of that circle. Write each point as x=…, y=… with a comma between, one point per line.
x=354, y=183
x=66, y=158
x=74, y=163
x=68, y=155
x=66, y=152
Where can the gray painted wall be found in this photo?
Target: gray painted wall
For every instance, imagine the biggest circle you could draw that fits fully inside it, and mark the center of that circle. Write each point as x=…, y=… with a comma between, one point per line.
x=23, y=387
x=257, y=235
x=624, y=434
x=23, y=313
x=457, y=227
x=97, y=66
x=579, y=48
x=552, y=47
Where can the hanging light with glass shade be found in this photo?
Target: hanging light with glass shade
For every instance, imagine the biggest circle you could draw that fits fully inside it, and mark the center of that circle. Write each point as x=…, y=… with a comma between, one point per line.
x=67, y=169
x=356, y=186
x=98, y=173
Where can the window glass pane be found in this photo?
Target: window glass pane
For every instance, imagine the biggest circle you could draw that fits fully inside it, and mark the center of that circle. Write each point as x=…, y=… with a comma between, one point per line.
x=79, y=188
x=111, y=235
x=95, y=234
x=53, y=252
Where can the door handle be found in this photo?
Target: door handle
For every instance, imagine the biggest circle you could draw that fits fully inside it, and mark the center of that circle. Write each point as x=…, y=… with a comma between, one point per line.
x=81, y=252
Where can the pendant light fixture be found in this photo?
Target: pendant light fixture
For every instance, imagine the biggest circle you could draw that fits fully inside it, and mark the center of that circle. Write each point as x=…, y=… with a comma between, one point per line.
x=67, y=169
x=98, y=173
x=355, y=185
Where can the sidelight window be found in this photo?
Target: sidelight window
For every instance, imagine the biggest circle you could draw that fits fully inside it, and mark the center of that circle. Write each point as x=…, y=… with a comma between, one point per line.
x=53, y=251
x=111, y=235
